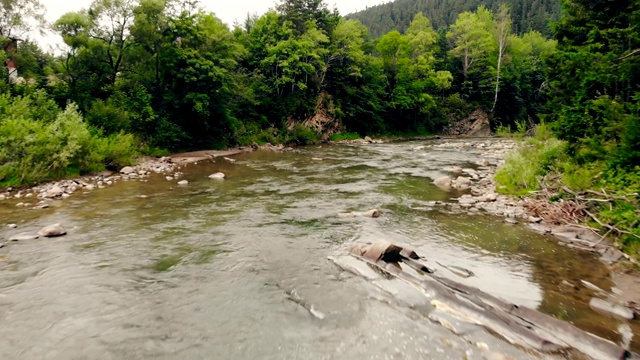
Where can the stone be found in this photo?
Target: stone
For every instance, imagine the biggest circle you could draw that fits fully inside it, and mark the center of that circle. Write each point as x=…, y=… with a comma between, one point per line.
x=443, y=182
x=217, y=175
x=52, y=231
x=461, y=180
x=535, y=220
x=183, y=182
x=23, y=237
x=54, y=191
x=608, y=308
x=165, y=159
x=316, y=159
x=12, y=226
x=169, y=178
x=490, y=197
x=89, y=187
x=3, y=197
x=510, y=221
x=374, y=213
x=127, y=170
x=368, y=139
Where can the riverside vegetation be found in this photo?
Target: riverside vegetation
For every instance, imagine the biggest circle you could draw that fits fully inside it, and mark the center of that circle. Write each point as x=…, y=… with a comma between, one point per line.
x=157, y=76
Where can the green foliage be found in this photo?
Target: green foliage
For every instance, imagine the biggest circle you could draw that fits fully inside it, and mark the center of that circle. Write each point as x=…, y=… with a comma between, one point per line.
x=397, y=15
x=523, y=170
x=300, y=135
x=345, y=136
x=40, y=142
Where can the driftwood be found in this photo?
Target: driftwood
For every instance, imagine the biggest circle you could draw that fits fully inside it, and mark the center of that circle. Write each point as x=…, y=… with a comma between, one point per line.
x=519, y=325
x=580, y=207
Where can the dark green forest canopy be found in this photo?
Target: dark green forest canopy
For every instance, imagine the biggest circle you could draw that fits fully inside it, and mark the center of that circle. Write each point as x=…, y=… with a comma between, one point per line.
x=397, y=15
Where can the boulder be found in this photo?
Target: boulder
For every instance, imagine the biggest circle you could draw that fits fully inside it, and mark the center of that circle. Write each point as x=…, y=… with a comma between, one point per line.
x=443, y=182
x=12, y=226
x=2, y=197
x=608, y=308
x=23, y=237
x=54, y=191
x=183, y=182
x=127, y=170
x=368, y=139
x=461, y=180
x=217, y=175
x=52, y=231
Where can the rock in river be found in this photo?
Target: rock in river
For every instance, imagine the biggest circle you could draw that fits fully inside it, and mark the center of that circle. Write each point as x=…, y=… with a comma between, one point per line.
x=443, y=182
x=52, y=231
x=127, y=170
x=23, y=237
x=609, y=308
x=183, y=182
x=217, y=175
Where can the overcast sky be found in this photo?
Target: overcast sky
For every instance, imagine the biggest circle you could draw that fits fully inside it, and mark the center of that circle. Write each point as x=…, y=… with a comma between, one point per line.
x=229, y=11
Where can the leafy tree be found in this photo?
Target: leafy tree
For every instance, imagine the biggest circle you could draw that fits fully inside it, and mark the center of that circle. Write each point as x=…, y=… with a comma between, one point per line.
x=19, y=17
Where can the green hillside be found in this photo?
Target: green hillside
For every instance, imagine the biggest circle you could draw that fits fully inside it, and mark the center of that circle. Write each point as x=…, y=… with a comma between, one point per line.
x=397, y=15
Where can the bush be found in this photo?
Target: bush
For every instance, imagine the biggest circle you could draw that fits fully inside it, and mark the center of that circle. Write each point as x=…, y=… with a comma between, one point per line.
x=345, y=136
x=300, y=135
x=524, y=168
x=40, y=142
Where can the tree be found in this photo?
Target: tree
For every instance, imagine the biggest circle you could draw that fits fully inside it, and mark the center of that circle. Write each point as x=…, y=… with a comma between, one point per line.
x=18, y=17
x=472, y=38
x=502, y=32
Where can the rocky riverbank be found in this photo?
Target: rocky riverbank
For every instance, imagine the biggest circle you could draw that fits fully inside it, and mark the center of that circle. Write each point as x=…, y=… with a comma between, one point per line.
x=480, y=196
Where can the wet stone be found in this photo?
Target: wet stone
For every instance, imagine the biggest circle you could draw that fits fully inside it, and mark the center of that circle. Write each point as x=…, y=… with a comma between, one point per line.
x=23, y=237
x=52, y=231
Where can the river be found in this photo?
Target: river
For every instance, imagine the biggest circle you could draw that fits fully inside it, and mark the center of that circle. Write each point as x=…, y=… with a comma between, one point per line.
x=153, y=270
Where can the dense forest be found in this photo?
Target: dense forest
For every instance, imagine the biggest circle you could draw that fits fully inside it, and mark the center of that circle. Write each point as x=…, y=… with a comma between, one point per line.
x=527, y=15
x=161, y=75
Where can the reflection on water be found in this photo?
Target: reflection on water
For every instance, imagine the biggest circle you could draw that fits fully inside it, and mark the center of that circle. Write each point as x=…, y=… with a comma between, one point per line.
x=199, y=271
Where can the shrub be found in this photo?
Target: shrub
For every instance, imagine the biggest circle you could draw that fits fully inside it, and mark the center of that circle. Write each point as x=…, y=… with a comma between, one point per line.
x=40, y=142
x=301, y=135
x=524, y=168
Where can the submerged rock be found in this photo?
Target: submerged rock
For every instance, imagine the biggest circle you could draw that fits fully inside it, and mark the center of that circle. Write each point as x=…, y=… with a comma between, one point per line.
x=443, y=183
x=23, y=237
x=608, y=308
x=52, y=231
x=217, y=175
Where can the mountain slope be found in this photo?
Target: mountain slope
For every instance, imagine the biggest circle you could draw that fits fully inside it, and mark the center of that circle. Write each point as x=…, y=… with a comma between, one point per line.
x=527, y=14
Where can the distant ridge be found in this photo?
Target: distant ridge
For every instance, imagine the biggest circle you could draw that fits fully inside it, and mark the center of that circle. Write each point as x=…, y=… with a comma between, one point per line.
x=397, y=15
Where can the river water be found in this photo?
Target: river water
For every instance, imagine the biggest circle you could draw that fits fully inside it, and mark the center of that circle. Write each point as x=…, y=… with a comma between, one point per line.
x=153, y=270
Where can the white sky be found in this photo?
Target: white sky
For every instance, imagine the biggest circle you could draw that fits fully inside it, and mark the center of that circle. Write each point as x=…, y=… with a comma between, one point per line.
x=229, y=11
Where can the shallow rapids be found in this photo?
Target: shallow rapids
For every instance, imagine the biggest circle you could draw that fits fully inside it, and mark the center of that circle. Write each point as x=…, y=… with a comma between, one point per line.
x=154, y=270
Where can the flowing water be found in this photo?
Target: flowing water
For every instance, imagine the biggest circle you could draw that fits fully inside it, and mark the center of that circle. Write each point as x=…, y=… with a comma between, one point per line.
x=153, y=270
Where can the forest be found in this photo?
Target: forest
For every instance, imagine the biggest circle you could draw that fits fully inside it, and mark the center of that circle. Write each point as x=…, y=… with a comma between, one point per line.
x=159, y=76
x=156, y=76
x=527, y=15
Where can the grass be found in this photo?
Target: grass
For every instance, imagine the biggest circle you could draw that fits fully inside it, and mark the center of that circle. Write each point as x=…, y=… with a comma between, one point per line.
x=345, y=136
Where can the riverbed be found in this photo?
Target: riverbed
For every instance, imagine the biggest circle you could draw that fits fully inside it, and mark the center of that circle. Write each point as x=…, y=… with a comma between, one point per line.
x=152, y=269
